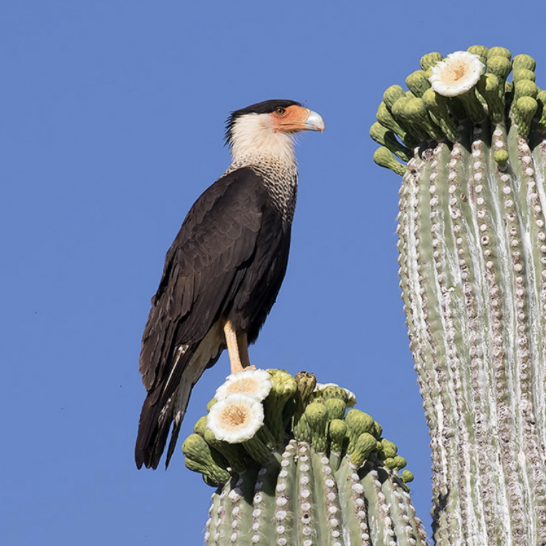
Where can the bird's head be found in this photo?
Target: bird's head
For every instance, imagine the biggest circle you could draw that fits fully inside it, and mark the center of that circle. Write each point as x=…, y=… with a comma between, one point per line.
x=267, y=129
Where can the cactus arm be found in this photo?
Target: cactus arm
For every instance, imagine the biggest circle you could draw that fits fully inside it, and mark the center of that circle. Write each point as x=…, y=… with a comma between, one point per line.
x=539, y=155
x=473, y=277
x=424, y=252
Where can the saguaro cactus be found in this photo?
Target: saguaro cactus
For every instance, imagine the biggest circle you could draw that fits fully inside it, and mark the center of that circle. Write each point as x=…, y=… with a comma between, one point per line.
x=472, y=244
x=295, y=468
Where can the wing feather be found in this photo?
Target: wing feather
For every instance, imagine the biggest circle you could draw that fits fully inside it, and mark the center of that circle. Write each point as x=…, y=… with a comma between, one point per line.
x=203, y=271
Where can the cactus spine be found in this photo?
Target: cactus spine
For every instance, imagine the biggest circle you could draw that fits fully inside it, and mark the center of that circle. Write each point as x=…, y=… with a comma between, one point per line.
x=330, y=479
x=472, y=246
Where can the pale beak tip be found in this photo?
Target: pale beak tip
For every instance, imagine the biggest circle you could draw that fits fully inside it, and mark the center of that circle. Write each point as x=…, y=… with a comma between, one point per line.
x=314, y=122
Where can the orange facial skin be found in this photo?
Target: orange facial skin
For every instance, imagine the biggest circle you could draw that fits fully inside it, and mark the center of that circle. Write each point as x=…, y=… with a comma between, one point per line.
x=294, y=119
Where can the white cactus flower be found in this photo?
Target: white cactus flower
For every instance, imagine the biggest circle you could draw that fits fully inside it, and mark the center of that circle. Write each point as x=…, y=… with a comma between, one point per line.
x=236, y=418
x=456, y=74
x=256, y=383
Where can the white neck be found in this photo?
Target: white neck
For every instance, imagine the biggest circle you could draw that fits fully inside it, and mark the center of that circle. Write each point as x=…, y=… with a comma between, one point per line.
x=253, y=140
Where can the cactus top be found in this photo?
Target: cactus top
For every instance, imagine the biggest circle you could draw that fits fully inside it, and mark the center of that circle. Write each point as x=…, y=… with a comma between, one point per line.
x=243, y=431
x=471, y=86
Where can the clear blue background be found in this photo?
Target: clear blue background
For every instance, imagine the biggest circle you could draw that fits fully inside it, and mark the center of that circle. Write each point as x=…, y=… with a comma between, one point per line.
x=111, y=125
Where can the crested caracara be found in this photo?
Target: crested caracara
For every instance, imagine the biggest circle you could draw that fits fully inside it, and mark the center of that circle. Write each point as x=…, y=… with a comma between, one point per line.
x=224, y=269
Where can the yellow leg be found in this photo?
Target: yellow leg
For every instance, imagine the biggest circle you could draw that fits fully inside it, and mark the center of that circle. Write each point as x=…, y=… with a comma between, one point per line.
x=237, y=346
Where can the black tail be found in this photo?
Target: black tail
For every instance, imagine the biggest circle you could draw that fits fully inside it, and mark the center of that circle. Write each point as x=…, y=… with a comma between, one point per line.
x=165, y=402
x=153, y=430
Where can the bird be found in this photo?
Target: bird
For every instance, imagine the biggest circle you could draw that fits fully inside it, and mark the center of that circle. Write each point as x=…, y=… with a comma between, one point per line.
x=224, y=270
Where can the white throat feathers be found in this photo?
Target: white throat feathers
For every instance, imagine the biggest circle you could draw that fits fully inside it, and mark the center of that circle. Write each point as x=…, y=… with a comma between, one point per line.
x=253, y=137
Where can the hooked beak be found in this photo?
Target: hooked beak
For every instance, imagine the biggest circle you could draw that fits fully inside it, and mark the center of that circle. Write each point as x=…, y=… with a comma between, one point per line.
x=314, y=122
x=298, y=118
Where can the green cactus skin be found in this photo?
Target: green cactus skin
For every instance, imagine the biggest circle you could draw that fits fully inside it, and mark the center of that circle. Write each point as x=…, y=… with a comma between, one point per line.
x=297, y=498
x=309, y=490
x=472, y=245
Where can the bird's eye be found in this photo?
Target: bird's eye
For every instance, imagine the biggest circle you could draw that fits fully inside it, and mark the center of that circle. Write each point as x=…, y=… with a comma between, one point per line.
x=280, y=110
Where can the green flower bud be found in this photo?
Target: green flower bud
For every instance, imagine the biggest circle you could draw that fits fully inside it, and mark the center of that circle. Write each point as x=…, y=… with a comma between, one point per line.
x=416, y=114
x=399, y=462
x=525, y=108
x=490, y=89
x=430, y=59
x=525, y=88
x=337, y=432
x=332, y=392
x=305, y=385
x=207, y=479
x=523, y=61
x=391, y=95
x=418, y=83
x=282, y=383
x=500, y=66
x=501, y=157
x=316, y=415
x=399, y=112
x=201, y=426
x=501, y=51
x=384, y=158
x=488, y=84
x=398, y=107
x=199, y=459
x=388, y=449
x=357, y=422
x=302, y=431
x=523, y=74
x=211, y=403
x=438, y=107
x=336, y=408
x=363, y=446
x=407, y=476
x=283, y=388
x=378, y=430
x=389, y=463
x=385, y=118
x=480, y=51
x=195, y=447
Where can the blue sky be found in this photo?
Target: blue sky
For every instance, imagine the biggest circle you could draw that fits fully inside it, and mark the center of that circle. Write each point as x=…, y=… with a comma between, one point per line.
x=111, y=124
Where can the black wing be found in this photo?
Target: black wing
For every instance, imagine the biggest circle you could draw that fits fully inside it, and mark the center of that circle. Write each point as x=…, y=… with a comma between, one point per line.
x=205, y=267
